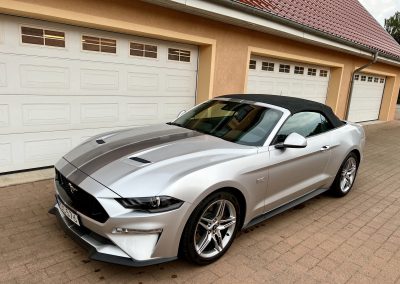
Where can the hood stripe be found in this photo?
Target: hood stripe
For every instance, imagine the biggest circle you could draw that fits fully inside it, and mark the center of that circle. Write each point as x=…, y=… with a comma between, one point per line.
x=96, y=150
x=93, y=165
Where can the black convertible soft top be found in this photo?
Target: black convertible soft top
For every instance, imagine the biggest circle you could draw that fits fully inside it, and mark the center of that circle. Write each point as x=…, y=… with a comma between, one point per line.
x=294, y=105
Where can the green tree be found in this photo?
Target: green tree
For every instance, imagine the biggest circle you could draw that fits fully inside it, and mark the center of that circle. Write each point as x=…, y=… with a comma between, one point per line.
x=392, y=26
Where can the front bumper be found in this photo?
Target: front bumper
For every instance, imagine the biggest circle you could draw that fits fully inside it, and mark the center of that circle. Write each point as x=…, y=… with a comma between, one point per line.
x=100, y=248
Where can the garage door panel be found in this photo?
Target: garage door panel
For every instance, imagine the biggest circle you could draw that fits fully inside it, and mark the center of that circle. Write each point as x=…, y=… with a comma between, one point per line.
x=282, y=88
x=361, y=115
x=73, y=44
x=365, y=102
x=3, y=75
x=46, y=114
x=32, y=150
x=297, y=90
x=4, y=115
x=81, y=112
x=5, y=154
x=366, y=98
x=142, y=111
x=94, y=79
x=99, y=112
x=142, y=81
x=46, y=149
x=272, y=81
x=41, y=76
x=55, y=98
x=170, y=110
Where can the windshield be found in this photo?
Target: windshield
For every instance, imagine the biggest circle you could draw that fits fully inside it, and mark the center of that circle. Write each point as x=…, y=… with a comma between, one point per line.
x=241, y=123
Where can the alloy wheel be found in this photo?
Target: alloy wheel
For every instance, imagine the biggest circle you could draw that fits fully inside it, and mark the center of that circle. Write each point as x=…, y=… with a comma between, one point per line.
x=348, y=174
x=215, y=228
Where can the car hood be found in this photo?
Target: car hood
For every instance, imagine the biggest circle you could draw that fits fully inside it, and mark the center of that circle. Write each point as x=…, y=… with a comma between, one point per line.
x=143, y=161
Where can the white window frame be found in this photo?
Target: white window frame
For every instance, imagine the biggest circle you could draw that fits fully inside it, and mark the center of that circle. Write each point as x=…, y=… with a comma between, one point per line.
x=255, y=64
x=269, y=65
x=179, y=48
x=283, y=67
x=28, y=25
x=143, y=57
x=98, y=52
x=299, y=67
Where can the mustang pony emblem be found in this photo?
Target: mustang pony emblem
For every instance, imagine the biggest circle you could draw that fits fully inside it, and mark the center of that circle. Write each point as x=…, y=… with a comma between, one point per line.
x=72, y=188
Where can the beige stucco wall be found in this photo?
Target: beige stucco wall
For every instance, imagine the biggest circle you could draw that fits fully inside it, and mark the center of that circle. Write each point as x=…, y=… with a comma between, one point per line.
x=224, y=49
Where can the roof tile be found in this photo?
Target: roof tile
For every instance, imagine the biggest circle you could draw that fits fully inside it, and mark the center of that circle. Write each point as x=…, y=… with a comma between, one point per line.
x=346, y=19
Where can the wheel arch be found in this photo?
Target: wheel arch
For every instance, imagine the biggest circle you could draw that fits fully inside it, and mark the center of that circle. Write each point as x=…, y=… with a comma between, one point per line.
x=241, y=200
x=358, y=154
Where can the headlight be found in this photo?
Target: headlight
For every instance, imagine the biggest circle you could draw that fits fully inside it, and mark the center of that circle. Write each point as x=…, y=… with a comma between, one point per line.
x=152, y=204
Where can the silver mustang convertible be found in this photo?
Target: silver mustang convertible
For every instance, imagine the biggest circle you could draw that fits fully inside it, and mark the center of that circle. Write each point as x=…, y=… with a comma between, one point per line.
x=147, y=195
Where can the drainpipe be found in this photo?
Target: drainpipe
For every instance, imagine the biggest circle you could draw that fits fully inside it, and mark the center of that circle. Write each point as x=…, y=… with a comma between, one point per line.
x=352, y=82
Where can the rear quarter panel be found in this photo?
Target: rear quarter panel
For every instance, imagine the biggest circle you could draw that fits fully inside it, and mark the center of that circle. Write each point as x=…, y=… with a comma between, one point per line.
x=345, y=139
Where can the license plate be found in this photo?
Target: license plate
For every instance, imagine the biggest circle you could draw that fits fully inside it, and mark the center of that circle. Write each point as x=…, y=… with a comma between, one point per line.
x=68, y=212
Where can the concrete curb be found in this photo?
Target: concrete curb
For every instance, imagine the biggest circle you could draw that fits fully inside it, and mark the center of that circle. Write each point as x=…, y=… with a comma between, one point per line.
x=25, y=177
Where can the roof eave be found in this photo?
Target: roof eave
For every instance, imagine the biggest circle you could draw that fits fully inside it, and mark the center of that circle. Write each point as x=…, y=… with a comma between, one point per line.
x=239, y=14
x=288, y=22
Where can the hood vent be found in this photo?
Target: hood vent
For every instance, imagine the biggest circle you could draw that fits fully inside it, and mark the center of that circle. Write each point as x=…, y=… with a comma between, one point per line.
x=140, y=160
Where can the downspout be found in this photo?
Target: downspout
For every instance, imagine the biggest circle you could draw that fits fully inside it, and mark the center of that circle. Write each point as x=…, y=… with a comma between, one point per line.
x=349, y=95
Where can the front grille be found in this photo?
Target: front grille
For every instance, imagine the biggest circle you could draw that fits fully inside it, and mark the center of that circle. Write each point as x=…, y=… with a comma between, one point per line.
x=80, y=200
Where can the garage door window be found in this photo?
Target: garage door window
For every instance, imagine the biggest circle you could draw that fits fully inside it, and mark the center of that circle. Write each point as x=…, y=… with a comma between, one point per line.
x=99, y=44
x=363, y=78
x=356, y=77
x=284, y=68
x=369, y=79
x=252, y=64
x=268, y=66
x=323, y=73
x=299, y=70
x=143, y=50
x=42, y=37
x=382, y=81
x=312, y=72
x=178, y=54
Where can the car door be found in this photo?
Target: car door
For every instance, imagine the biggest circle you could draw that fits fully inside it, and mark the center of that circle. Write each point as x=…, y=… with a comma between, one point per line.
x=294, y=172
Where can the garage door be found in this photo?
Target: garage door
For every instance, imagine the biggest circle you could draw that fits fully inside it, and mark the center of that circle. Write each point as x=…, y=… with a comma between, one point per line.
x=61, y=84
x=366, y=98
x=275, y=77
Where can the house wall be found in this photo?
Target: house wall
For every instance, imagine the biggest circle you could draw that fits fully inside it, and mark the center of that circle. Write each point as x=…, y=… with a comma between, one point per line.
x=224, y=49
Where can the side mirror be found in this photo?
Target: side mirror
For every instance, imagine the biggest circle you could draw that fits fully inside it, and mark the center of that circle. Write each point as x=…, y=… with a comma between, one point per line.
x=182, y=112
x=294, y=140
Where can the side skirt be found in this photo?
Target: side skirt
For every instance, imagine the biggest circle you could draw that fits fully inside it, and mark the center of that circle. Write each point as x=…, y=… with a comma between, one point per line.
x=284, y=207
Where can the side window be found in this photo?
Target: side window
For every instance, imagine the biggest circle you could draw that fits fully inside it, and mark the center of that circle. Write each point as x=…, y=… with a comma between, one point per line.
x=304, y=123
x=326, y=125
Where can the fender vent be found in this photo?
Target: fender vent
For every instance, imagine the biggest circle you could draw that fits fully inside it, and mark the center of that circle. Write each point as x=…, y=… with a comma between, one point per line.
x=140, y=160
x=100, y=141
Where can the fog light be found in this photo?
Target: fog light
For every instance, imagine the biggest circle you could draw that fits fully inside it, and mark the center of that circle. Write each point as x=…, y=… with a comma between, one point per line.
x=118, y=230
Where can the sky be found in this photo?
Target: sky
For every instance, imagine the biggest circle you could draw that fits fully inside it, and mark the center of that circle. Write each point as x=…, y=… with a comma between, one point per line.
x=381, y=9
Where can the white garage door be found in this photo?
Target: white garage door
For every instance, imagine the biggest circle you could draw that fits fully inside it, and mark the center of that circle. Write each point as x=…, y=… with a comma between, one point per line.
x=60, y=84
x=275, y=77
x=366, y=98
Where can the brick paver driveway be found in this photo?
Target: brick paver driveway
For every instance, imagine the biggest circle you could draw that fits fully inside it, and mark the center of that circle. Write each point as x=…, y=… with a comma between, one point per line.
x=355, y=239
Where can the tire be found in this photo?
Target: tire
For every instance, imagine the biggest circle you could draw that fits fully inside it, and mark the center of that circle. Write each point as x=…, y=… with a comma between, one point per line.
x=346, y=176
x=211, y=228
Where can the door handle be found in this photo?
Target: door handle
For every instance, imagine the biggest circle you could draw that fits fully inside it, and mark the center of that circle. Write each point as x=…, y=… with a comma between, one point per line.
x=325, y=148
